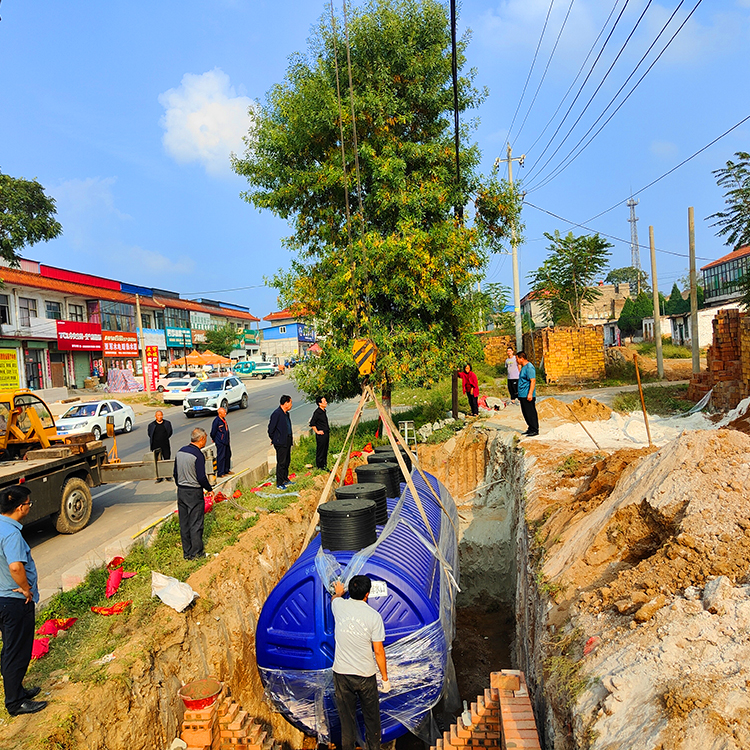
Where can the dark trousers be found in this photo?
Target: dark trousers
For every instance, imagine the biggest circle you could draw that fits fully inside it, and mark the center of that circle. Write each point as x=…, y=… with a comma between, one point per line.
x=513, y=389
x=283, y=456
x=321, y=450
x=528, y=409
x=223, y=459
x=349, y=687
x=191, y=511
x=163, y=452
x=17, y=630
x=473, y=405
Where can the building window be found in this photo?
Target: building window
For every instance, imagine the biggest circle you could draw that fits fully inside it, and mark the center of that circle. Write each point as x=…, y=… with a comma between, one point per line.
x=159, y=319
x=117, y=316
x=77, y=313
x=146, y=320
x=175, y=318
x=4, y=309
x=282, y=329
x=27, y=308
x=53, y=310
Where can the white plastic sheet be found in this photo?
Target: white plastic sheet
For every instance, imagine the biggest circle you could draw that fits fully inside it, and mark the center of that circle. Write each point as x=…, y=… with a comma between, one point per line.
x=172, y=592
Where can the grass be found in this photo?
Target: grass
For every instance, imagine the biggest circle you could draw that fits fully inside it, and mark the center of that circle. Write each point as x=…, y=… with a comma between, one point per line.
x=669, y=351
x=562, y=668
x=662, y=400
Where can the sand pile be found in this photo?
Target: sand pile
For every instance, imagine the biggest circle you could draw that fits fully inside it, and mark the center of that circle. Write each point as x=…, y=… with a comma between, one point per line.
x=586, y=409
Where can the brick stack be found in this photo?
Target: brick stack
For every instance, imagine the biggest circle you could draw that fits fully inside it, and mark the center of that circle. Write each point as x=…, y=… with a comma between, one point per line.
x=745, y=355
x=571, y=355
x=502, y=718
x=496, y=349
x=224, y=726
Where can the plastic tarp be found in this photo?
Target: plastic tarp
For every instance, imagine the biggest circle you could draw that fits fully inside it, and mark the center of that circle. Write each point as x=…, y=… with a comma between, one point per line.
x=420, y=668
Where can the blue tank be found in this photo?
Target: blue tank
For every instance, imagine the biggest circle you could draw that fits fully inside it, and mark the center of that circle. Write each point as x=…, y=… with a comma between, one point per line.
x=414, y=589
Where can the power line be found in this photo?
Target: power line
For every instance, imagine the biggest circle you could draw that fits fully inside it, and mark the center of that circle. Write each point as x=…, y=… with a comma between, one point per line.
x=531, y=69
x=674, y=169
x=221, y=291
x=598, y=88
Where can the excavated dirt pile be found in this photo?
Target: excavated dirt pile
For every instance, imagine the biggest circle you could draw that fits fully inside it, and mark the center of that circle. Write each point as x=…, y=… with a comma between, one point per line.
x=585, y=409
x=648, y=558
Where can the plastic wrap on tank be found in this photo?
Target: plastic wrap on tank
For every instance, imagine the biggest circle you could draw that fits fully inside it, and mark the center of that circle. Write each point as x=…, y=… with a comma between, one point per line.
x=419, y=662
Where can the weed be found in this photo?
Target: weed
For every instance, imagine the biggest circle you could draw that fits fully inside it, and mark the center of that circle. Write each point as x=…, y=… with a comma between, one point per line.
x=669, y=351
x=61, y=737
x=663, y=400
x=562, y=668
x=548, y=588
x=569, y=466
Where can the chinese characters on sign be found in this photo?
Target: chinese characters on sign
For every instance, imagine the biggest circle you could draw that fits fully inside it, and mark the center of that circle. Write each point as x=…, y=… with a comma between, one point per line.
x=8, y=370
x=120, y=344
x=72, y=336
x=152, y=367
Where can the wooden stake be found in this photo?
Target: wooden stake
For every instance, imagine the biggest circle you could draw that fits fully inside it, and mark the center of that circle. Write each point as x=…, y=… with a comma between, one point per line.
x=584, y=427
x=643, y=401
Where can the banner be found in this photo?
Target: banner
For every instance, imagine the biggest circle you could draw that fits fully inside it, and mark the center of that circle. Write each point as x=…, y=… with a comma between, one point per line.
x=152, y=367
x=153, y=337
x=78, y=337
x=8, y=370
x=179, y=338
x=120, y=344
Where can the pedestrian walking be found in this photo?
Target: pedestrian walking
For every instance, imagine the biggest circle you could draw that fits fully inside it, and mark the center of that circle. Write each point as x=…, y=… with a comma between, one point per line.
x=280, y=432
x=190, y=477
x=220, y=436
x=18, y=595
x=471, y=388
x=159, y=433
x=319, y=424
x=511, y=367
x=359, y=634
x=527, y=394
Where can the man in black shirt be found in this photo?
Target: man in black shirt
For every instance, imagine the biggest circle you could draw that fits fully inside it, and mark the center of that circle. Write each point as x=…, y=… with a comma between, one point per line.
x=159, y=432
x=280, y=432
x=319, y=424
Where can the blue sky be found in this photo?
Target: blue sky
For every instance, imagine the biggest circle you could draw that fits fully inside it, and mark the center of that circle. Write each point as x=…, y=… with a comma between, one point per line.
x=126, y=113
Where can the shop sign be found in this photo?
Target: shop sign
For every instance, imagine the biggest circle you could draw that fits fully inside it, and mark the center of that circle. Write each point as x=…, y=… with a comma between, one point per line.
x=8, y=370
x=152, y=337
x=200, y=320
x=120, y=344
x=152, y=367
x=78, y=337
x=180, y=338
x=199, y=337
x=306, y=334
x=251, y=337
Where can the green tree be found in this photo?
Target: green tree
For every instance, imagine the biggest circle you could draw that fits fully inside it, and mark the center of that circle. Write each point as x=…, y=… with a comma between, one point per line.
x=633, y=312
x=27, y=216
x=734, y=222
x=224, y=340
x=629, y=275
x=676, y=304
x=405, y=276
x=566, y=279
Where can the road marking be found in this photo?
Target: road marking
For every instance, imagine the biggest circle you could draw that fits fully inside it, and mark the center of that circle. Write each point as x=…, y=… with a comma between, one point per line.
x=111, y=489
x=247, y=429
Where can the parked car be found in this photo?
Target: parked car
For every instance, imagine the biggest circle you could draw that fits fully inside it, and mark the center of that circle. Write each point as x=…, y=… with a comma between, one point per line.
x=91, y=416
x=212, y=394
x=255, y=369
x=163, y=382
x=176, y=390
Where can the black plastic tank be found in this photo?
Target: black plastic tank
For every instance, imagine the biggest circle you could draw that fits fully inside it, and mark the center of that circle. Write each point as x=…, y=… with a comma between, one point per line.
x=390, y=457
x=381, y=473
x=347, y=524
x=371, y=491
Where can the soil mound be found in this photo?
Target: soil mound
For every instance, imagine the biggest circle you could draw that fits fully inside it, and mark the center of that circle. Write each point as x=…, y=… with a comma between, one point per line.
x=586, y=409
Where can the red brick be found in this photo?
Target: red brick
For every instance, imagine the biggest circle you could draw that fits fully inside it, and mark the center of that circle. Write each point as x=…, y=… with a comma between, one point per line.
x=199, y=738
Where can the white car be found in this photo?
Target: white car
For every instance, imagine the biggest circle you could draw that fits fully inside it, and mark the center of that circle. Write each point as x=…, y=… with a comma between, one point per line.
x=176, y=391
x=91, y=416
x=163, y=383
x=211, y=395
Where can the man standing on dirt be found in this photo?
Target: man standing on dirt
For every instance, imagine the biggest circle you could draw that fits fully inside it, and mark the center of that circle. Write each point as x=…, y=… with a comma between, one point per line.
x=190, y=477
x=159, y=432
x=280, y=432
x=18, y=594
x=220, y=436
x=359, y=634
x=527, y=394
x=319, y=424
x=511, y=366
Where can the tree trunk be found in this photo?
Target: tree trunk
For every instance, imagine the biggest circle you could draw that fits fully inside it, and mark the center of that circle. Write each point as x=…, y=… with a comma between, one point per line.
x=385, y=394
x=454, y=394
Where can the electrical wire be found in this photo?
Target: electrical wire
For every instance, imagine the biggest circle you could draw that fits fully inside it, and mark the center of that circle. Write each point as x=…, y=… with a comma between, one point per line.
x=531, y=69
x=669, y=172
x=221, y=291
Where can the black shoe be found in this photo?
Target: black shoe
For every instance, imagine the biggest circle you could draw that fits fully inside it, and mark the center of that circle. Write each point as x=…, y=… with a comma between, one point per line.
x=29, y=707
x=32, y=692
x=531, y=434
x=159, y=480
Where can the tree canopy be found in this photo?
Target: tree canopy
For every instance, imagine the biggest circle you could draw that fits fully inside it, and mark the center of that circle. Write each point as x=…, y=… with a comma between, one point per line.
x=629, y=275
x=405, y=275
x=633, y=313
x=676, y=305
x=566, y=279
x=27, y=216
x=734, y=222
x=224, y=340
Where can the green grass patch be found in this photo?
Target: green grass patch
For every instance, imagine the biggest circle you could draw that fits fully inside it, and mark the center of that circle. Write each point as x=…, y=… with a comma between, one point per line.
x=669, y=351
x=662, y=400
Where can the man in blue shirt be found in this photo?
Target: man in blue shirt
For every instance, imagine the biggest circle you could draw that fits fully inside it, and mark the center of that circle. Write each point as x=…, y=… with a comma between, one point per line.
x=18, y=594
x=527, y=394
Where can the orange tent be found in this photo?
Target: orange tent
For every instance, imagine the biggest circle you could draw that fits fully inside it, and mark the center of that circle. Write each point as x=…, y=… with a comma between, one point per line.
x=210, y=358
x=194, y=359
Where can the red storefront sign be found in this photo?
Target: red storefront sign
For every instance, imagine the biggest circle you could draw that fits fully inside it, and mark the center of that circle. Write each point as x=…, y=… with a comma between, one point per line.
x=120, y=344
x=152, y=367
x=78, y=337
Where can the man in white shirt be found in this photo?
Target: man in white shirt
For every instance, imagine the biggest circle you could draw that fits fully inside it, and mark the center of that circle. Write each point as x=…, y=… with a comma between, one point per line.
x=359, y=636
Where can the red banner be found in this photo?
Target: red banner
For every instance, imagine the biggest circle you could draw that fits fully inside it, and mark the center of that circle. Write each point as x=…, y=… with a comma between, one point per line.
x=73, y=336
x=152, y=367
x=120, y=344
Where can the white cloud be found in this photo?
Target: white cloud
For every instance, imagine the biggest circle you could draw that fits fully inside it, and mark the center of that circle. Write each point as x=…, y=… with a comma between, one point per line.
x=156, y=264
x=664, y=149
x=204, y=120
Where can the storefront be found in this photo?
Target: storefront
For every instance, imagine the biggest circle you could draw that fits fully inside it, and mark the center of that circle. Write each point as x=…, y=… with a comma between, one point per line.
x=120, y=349
x=179, y=342
x=9, y=374
x=80, y=344
x=155, y=337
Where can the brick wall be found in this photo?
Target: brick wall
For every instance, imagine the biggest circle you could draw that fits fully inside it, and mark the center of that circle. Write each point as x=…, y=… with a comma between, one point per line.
x=496, y=349
x=570, y=354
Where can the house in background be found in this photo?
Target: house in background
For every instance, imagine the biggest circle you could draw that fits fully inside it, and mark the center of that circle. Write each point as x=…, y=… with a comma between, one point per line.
x=286, y=336
x=721, y=277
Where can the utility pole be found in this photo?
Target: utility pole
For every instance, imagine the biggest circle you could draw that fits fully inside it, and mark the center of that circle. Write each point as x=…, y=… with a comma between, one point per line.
x=635, y=250
x=657, y=312
x=694, y=343
x=142, y=343
x=514, y=248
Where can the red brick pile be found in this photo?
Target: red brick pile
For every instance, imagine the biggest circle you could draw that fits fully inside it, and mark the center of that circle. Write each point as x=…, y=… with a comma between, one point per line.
x=724, y=363
x=502, y=718
x=224, y=726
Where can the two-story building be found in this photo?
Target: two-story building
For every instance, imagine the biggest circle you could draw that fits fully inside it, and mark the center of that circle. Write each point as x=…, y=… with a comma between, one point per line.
x=286, y=336
x=721, y=277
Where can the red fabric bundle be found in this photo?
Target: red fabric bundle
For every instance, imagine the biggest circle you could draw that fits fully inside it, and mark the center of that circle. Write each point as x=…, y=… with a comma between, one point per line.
x=116, y=574
x=208, y=502
x=368, y=448
x=237, y=494
x=115, y=609
x=219, y=497
x=40, y=648
x=53, y=627
x=355, y=454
